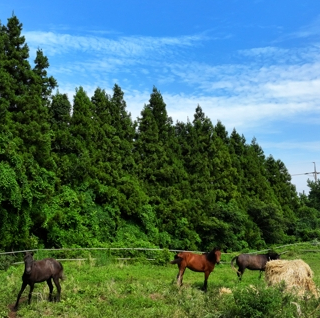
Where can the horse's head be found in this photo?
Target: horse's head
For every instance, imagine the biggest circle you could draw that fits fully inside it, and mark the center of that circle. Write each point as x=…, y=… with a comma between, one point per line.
x=214, y=255
x=28, y=262
x=217, y=253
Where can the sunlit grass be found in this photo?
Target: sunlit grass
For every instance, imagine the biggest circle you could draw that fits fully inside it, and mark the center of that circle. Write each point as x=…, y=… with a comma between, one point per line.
x=122, y=289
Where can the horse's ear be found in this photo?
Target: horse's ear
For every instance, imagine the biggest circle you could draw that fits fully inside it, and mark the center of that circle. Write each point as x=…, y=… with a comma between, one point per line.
x=28, y=253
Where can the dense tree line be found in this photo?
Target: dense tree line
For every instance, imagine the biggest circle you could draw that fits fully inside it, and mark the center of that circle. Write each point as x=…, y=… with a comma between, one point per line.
x=85, y=174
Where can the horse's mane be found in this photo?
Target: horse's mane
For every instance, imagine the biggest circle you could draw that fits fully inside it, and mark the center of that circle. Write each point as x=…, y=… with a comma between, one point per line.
x=211, y=256
x=272, y=254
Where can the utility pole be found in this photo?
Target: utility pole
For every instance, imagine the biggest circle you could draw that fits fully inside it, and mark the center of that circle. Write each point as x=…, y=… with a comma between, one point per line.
x=315, y=172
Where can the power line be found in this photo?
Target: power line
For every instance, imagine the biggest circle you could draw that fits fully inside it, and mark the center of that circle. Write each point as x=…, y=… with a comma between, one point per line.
x=314, y=172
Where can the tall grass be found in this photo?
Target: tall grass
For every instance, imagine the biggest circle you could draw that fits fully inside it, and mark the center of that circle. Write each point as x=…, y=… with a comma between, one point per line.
x=102, y=286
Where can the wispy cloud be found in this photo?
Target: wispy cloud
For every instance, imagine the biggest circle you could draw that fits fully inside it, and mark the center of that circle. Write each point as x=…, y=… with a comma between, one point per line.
x=312, y=146
x=273, y=83
x=55, y=43
x=309, y=30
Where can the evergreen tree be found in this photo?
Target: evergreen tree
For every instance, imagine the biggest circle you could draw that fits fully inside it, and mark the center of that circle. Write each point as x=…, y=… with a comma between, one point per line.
x=314, y=194
x=160, y=169
x=123, y=127
x=46, y=84
x=237, y=150
x=83, y=137
x=27, y=128
x=15, y=54
x=105, y=170
x=158, y=109
x=257, y=185
x=285, y=192
x=62, y=140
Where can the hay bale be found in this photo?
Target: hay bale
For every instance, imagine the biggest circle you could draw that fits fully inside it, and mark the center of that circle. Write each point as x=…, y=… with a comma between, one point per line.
x=224, y=290
x=296, y=274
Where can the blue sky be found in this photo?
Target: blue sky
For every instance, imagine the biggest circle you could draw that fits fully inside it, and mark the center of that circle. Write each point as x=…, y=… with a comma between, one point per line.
x=253, y=65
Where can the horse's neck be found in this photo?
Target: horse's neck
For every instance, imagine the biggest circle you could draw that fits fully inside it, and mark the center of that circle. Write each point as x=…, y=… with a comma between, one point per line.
x=211, y=256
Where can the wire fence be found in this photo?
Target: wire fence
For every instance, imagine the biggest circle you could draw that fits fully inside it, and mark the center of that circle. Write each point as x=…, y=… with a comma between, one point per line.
x=131, y=253
x=96, y=248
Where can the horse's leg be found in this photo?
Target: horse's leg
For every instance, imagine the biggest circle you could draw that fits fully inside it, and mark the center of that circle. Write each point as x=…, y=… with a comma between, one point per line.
x=206, y=276
x=49, y=282
x=182, y=268
x=24, y=285
x=57, y=283
x=240, y=273
x=30, y=292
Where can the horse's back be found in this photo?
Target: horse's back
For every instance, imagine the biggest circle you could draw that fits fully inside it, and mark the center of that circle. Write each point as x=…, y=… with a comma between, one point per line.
x=252, y=262
x=198, y=262
x=48, y=268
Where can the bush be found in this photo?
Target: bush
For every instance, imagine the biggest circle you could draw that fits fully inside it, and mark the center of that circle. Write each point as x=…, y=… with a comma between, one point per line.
x=164, y=257
x=5, y=261
x=262, y=301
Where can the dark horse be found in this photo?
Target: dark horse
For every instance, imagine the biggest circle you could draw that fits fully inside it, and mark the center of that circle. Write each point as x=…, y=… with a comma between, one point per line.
x=253, y=262
x=40, y=271
x=198, y=263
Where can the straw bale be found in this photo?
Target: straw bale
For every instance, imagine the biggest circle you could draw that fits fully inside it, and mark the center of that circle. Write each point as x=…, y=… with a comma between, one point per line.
x=296, y=274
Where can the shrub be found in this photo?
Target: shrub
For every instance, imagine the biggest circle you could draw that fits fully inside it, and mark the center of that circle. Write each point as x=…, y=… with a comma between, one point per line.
x=260, y=301
x=5, y=261
x=164, y=257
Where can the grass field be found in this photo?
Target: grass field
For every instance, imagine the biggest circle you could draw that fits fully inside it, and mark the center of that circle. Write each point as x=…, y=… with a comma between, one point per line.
x=111, y=288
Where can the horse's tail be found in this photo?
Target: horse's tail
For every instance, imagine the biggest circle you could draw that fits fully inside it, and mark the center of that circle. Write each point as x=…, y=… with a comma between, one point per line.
x=232, y=266
x=177, y=259
x=61, y=273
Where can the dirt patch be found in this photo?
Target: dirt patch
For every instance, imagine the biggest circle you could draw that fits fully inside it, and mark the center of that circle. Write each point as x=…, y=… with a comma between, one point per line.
x=12, y=313
x=155, y=296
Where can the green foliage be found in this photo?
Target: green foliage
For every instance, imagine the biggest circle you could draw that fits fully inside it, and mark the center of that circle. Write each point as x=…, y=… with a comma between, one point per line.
x=307, y=226
x=9, y=187
x=131, y=235
x=227, y=224
x=164, y=257
x=314, y=195
x=6, y=260
x=260, y=301
x=269, y=219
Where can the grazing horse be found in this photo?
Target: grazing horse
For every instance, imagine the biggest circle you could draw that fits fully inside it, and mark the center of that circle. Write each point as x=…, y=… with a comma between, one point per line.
x=198, y=263
x=253, y=262
x=40, y=271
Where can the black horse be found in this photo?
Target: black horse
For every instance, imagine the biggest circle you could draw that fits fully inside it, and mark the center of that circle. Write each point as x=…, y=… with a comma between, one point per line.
x=253, y=262
x=40, y=271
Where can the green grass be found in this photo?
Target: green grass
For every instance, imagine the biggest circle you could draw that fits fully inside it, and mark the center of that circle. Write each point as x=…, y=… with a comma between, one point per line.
x=125, y=289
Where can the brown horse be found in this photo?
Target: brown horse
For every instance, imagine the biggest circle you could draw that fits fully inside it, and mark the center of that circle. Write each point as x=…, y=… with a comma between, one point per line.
x=198, y=263
x=40, y=271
